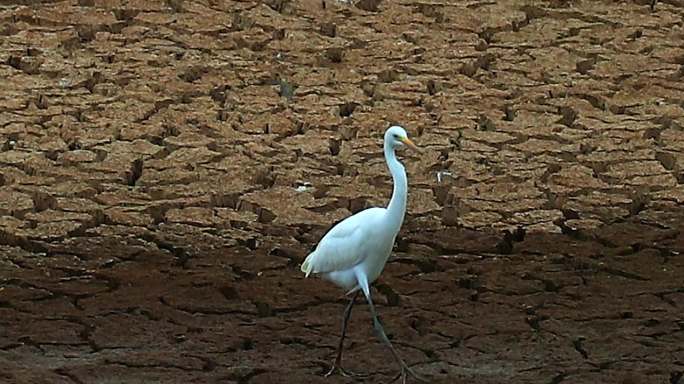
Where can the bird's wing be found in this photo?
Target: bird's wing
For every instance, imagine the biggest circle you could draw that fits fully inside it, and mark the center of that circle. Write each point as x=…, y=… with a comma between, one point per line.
x=345, y=245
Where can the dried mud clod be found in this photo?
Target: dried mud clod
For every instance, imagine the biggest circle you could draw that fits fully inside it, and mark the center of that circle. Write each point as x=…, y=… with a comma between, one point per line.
x=368, y=5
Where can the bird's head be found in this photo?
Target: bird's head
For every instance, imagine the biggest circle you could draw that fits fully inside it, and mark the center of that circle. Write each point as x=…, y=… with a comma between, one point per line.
x=397, y=137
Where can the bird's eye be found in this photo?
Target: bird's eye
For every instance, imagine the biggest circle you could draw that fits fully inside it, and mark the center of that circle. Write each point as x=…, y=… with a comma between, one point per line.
x=396, y=136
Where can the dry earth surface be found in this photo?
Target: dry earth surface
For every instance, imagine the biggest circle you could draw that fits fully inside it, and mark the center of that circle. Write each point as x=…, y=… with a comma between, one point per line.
x=166, y=166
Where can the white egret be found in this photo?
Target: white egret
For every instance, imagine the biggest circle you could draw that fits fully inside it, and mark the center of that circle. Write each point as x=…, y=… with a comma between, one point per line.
x=354, y=252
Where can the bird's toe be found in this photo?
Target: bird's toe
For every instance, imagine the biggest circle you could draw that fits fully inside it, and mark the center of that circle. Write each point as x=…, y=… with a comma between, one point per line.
x=336, y=369
x=407, y=372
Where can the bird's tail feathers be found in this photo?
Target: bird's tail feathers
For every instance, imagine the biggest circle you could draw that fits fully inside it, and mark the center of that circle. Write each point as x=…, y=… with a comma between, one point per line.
x=307, y=267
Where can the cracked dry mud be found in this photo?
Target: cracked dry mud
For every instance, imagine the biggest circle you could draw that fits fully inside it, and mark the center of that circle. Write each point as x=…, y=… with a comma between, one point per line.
x=165, y=167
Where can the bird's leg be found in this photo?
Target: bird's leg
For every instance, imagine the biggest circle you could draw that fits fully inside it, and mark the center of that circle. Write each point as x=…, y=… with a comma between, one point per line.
x=380, y=332
x=337, y=365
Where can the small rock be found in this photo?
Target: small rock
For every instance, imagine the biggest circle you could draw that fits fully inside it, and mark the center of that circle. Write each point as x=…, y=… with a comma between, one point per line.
x=328, y=29
x=334, y=54
x=368, y=5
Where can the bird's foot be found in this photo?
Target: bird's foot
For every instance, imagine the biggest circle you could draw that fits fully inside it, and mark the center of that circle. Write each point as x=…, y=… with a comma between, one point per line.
x=407, y=372
x=337, y=368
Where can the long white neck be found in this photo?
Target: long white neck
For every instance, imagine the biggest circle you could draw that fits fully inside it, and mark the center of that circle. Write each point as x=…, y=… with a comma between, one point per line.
x=397, y=205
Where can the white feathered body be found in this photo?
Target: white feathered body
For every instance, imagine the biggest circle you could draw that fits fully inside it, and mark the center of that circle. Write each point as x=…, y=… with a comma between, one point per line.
x=360, y=243
x=354, y=252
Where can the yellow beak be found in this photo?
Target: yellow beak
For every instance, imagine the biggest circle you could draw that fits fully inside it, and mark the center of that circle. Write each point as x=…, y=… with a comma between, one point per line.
x=410, y=144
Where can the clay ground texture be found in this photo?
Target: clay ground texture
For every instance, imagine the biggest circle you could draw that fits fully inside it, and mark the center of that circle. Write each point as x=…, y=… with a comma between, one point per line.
x=166, y=166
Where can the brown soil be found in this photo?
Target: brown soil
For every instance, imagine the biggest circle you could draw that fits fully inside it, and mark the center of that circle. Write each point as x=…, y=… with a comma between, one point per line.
x=166, y=166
